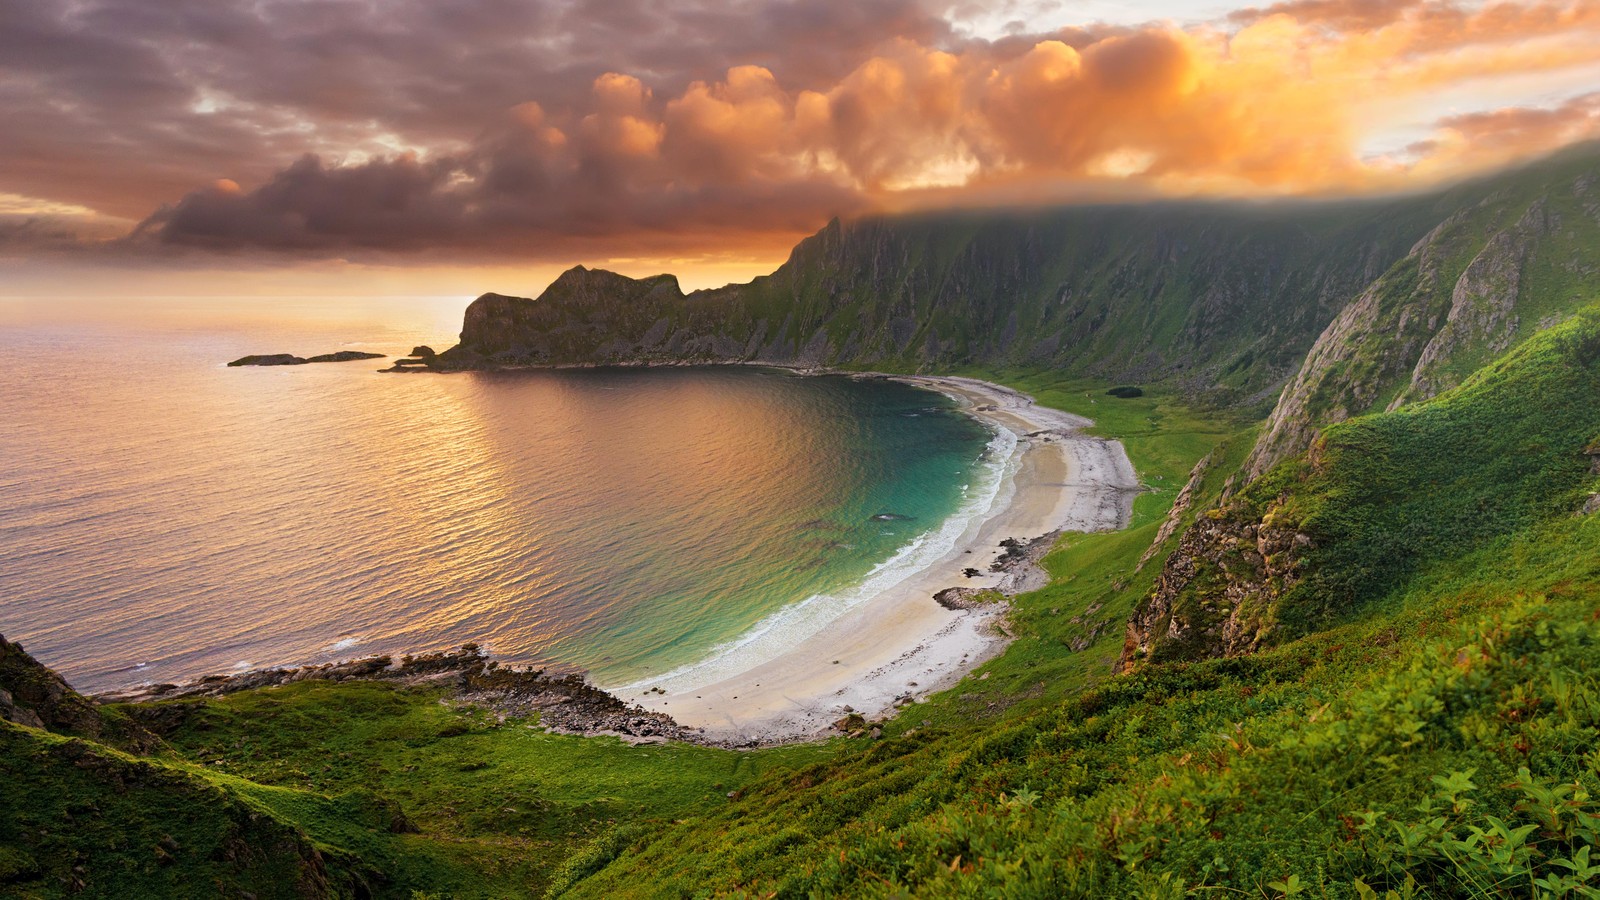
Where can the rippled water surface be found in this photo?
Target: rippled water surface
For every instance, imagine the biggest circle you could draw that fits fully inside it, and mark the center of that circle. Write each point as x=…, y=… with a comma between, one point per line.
x=163, y=516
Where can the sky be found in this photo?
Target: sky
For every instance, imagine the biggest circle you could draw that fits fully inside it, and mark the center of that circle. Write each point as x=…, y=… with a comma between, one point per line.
x=419, y=146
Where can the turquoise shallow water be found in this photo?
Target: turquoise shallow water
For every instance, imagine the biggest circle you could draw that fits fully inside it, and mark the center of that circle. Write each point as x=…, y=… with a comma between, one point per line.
x=164, y=517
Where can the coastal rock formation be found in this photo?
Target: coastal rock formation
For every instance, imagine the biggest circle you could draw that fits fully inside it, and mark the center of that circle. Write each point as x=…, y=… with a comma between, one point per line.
x=34, y=695
x=1218, y=593
x=289, y=359
x=1239, y=295
x=564, y=703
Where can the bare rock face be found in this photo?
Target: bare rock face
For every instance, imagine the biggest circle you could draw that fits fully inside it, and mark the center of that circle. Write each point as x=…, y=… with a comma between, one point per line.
x=1449, y=307
x=32, y=694
x=1218, y=593
x=1483, y=306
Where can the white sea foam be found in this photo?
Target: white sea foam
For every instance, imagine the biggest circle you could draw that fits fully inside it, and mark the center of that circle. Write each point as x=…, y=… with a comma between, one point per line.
x=343, y=644
x=783, y=629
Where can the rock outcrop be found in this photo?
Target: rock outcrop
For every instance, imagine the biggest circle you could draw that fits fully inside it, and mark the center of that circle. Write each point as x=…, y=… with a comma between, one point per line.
x=1458, y=299
x=289, y=359
x=34, y=695
x=564, y=702
x=1218, y=593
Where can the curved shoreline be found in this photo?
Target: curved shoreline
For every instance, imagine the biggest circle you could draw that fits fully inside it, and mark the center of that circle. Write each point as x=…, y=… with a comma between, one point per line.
x=901, y=645
x=891, y=649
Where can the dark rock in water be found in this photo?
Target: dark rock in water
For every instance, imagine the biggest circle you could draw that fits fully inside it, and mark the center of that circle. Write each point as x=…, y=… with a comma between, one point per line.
x=289, y=359
x=1126, y=393
x=344, y=356
x=891, y=517
x=270, y=359
x=423, y=351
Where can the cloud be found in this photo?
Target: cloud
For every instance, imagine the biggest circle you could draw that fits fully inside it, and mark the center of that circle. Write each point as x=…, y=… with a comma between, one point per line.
x=1511, y=133
x=123, y=104
x=556, y=128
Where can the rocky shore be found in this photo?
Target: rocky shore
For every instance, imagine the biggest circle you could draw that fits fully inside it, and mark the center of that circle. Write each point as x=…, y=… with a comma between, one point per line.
x=563, y=703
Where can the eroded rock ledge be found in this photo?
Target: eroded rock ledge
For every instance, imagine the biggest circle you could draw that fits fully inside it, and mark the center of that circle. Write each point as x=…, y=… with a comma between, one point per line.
x=564, y=703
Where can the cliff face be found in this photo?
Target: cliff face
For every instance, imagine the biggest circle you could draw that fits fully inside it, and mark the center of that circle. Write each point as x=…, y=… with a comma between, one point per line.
x=32, y=694
x=1221, y=299
x=1219, y=591
x=1379, y=497
x=1500, y=268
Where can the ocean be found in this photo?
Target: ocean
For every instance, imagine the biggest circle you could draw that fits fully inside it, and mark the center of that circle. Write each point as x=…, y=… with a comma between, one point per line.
x=164, y=517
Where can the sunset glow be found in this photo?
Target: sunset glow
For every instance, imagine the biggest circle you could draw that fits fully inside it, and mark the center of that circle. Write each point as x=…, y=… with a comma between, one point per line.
x=704, y=139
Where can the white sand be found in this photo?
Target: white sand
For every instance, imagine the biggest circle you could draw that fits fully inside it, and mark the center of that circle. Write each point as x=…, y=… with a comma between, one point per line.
x=900, y=643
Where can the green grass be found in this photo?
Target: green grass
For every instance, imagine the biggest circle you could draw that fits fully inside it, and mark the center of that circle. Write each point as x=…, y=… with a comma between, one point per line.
x=495, y=802
x=1303, y=766
x=1437, y=739
x=79, y=817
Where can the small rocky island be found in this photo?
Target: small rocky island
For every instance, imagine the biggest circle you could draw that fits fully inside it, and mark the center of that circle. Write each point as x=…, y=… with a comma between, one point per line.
x=289, y=359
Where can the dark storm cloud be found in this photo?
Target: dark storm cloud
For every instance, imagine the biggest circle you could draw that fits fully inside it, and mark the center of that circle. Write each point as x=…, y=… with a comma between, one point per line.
x=402, y=204
x=120, y=104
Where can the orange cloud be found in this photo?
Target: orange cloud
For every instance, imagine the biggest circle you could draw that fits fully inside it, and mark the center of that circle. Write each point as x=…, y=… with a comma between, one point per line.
x=1280, y=100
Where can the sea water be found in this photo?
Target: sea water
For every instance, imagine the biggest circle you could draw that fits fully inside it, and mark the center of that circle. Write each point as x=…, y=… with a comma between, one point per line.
x=163, y=516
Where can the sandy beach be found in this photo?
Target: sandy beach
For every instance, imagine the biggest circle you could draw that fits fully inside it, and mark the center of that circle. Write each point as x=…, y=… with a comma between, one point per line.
x=901, y=644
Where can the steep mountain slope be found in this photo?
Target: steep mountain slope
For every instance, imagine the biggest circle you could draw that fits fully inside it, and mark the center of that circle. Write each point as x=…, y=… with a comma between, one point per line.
x=1220, y=298
x=1224, y=300
x=1375, y=498
x=1441, y=746
x=1495, y=271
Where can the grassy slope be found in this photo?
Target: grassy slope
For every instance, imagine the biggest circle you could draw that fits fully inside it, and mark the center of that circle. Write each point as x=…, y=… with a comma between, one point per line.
x=497, y=803
x=79, y=817
x=499, y=806
x=1425, y=744
x=1307, y=762
x=1386, y=494
x=1228, y=774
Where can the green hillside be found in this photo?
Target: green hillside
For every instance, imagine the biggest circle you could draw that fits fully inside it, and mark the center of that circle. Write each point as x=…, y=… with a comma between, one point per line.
x=1221, y=300
x=1444, y=744
x=1441, y=741
x=1347, y=650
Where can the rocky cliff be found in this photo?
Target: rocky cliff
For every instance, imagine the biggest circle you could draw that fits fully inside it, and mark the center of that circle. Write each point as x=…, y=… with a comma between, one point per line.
x=1222, y=299
x=1378, y=498
x=1516, y=255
